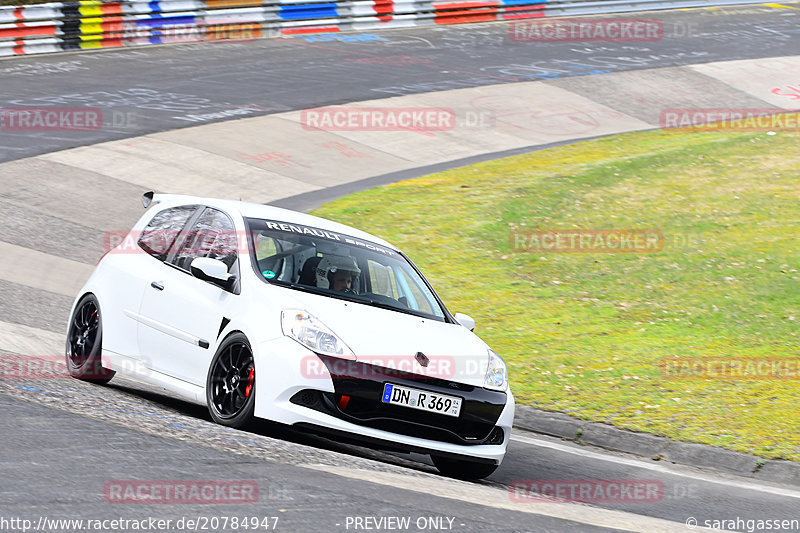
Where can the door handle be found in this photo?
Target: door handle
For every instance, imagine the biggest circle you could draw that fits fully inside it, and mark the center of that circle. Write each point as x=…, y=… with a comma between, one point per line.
x=156, y=285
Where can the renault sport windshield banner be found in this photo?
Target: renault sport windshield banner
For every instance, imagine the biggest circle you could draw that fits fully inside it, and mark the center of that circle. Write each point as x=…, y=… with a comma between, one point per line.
x=224, y=241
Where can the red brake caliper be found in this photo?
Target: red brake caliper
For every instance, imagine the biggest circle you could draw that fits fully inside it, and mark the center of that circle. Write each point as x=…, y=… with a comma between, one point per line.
x=250, y=382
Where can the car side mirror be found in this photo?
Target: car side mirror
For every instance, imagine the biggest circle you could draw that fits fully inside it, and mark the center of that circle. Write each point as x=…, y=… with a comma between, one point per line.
x=465, y=320
x=212, y=270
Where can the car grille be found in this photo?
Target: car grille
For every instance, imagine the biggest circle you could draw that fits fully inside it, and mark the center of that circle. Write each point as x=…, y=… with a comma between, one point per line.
x=363, y=385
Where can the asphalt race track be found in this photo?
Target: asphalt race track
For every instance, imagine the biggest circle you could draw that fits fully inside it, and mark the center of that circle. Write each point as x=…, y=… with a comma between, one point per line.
x=65, y=441
x=158, y=89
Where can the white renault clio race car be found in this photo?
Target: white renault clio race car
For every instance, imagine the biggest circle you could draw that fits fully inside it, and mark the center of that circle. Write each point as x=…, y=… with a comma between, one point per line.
x=262, y=312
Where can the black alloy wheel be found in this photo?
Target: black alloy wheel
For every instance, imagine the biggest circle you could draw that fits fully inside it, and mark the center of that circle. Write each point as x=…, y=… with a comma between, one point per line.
x=231, y=383
x=85, y=343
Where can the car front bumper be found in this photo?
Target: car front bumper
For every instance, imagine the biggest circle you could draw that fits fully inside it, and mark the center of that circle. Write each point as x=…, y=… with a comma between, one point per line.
x=287, y=392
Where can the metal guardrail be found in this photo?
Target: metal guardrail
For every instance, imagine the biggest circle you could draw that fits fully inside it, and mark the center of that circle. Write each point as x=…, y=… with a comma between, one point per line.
x=88, y=24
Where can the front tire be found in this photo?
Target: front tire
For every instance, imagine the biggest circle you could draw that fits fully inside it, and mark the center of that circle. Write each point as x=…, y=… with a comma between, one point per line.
x=460, y=469
x=231, y=383
x=85, y=343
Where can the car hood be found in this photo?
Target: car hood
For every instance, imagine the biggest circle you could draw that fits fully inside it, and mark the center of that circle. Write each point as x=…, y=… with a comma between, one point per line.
x=393, y=339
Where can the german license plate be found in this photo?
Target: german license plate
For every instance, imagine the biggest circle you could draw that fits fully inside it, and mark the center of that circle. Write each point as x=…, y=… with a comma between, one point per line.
x=422, y=400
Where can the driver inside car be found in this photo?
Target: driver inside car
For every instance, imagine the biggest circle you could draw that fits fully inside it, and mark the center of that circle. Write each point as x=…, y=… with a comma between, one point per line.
x=339, y=273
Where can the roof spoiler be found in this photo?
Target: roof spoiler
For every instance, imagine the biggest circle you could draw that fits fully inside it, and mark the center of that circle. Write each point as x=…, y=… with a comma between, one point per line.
x=147, y=199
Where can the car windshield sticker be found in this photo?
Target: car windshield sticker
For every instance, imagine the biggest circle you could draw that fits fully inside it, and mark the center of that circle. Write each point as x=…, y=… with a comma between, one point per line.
x=269, y=274
x=325, y=234
x=305, y=230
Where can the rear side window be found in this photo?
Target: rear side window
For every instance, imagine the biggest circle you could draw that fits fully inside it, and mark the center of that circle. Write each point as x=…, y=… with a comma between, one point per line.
x=157, y=238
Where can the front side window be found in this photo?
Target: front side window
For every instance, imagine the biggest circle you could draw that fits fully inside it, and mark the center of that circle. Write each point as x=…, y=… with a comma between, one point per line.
x=157, y=237
x=340, y=266
x=213, y=235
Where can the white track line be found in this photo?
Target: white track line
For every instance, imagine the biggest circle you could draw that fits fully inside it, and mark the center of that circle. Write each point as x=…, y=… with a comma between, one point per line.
x=585, y=452
x=25, y=340
x=39, y=270
x=500, y=499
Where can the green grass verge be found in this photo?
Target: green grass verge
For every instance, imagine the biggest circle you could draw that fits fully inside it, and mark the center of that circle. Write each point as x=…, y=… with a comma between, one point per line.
x=585, y=333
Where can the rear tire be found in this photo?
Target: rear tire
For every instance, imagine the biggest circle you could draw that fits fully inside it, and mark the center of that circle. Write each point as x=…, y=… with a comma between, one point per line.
x=85, y=343
x=460, y=469
x=231, y=383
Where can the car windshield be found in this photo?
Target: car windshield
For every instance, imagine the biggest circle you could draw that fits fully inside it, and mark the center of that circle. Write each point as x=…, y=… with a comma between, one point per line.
x=340, y=266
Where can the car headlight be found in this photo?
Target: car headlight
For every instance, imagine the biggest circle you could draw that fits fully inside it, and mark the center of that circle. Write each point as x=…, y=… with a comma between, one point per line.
x=313, y=334
x=497, y=374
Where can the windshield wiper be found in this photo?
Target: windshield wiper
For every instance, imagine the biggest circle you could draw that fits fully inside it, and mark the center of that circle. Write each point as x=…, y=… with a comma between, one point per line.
x=390, y=307
x=382, y=305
